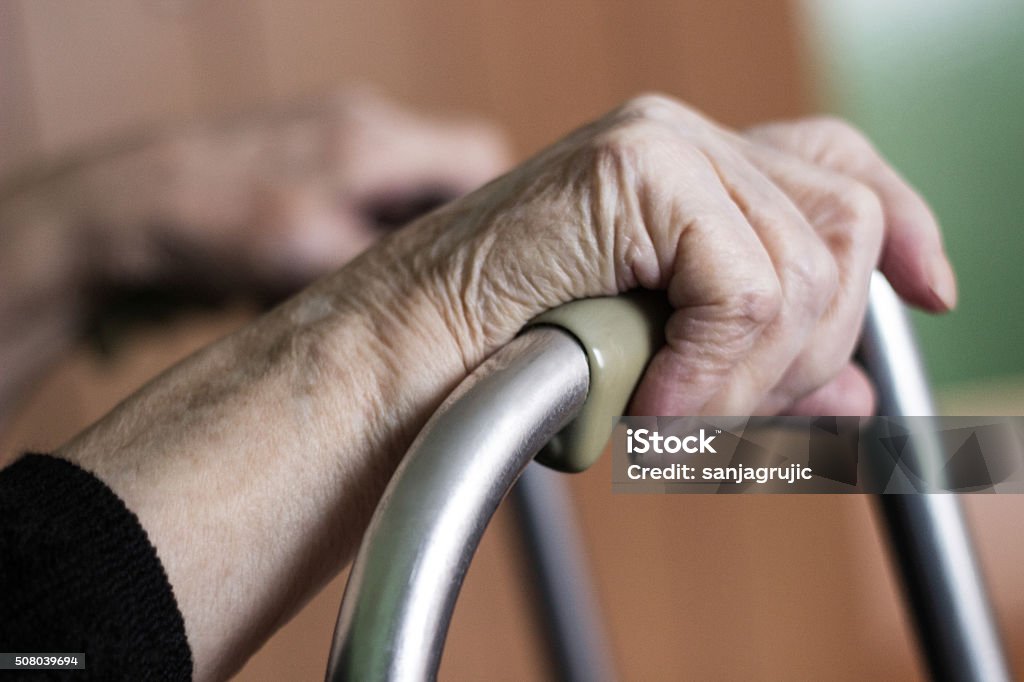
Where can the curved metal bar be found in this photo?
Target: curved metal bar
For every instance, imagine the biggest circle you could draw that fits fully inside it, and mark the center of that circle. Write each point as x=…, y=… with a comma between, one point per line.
x=927, y=531
x=403, y=586
x=406, y=578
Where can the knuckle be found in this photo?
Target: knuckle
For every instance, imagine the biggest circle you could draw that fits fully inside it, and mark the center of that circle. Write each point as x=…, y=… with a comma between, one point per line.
x=650, y=107
x=808, y=270
x=860, y=214
x=644, y=134
x=815, y=277
x=756, y=304
x=824, y=278
x=626, y=137
x=842, y=138
x=620, y=147
x=863, y=204
x=837, y=129
x=634, y=143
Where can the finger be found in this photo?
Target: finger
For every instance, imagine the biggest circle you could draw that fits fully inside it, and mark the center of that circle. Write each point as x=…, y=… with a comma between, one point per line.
x=913, y=257
x=721, y=308
x=383, y=150
x=806, y=270
x=297, y=233
x=849, y=394
x=847, y=215
x=392, y=211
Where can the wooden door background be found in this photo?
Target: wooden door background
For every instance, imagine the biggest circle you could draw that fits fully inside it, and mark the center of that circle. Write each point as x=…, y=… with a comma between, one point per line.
x=693, y=587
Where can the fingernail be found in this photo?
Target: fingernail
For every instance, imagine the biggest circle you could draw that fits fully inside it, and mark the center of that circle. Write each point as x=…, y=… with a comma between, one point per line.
x=942, y=281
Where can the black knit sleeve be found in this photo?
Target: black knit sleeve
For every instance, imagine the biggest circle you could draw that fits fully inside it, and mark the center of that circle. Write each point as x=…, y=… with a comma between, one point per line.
x=79, y=575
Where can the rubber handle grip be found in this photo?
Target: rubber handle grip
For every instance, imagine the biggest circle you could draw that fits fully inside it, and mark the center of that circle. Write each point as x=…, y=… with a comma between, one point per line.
x=619, y=334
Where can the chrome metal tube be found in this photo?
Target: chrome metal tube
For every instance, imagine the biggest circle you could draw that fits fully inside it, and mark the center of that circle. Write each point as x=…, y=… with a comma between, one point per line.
x=403, y=586
x=927, y=532
x=564, y=596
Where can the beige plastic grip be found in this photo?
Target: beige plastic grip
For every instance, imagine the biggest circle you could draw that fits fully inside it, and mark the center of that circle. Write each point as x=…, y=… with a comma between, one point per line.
x=620, y=335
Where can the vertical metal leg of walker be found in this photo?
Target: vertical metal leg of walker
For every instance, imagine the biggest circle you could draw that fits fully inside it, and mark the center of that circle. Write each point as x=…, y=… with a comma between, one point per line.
x=927, y=533
x=563, y=591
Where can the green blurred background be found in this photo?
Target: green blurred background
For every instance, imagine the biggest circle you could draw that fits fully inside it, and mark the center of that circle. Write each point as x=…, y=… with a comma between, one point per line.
x=939, y=86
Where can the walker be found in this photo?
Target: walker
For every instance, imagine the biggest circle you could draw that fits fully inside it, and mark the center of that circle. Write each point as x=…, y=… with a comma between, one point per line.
x=559, y=384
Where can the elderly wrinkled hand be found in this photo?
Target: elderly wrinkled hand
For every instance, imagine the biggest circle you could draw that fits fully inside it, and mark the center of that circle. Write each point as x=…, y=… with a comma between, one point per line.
x=764, y=241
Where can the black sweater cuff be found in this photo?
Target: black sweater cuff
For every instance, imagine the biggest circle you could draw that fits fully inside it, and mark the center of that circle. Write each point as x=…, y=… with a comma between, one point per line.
x=78, y=574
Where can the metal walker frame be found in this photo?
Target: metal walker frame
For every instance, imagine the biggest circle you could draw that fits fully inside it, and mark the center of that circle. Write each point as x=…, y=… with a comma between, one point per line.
x=407, y=574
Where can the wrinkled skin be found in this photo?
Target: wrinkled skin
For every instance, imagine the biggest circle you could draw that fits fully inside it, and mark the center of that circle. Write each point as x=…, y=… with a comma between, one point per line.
x=764, y=242
x=254, y=464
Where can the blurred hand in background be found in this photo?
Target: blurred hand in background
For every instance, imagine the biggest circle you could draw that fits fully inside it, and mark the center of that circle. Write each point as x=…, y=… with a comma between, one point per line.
x=256, y=207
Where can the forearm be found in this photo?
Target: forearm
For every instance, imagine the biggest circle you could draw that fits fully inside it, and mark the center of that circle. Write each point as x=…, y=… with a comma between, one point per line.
x=255, y=464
